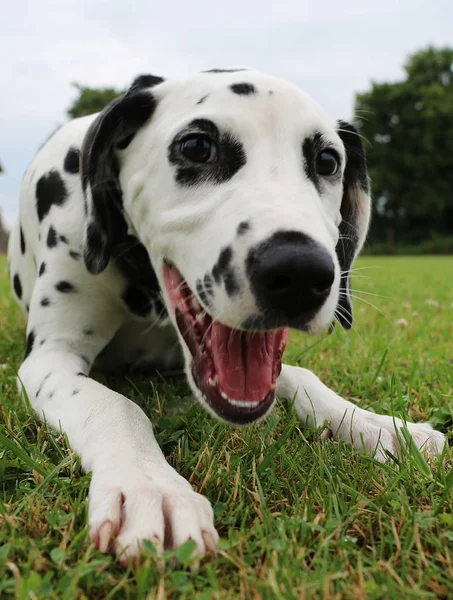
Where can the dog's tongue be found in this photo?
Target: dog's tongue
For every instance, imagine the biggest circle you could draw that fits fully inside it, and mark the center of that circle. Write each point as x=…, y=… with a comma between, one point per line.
x=247, y=363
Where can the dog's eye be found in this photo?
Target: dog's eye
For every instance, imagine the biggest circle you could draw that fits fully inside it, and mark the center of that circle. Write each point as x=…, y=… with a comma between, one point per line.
x=327, y=163
x=199, y=149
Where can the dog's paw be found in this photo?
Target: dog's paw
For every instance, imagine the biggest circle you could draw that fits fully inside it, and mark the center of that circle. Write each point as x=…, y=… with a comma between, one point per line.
x=380, y=434
x=123, y=516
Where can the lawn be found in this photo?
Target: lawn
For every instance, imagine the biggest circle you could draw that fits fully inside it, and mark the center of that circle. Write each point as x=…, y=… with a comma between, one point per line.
x=299, y=517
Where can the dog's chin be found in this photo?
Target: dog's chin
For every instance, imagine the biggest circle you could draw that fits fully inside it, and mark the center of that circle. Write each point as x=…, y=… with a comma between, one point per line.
x=232, y=372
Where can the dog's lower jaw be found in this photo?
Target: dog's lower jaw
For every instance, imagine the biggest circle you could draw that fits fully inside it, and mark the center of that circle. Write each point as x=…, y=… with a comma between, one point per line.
x=224, y=418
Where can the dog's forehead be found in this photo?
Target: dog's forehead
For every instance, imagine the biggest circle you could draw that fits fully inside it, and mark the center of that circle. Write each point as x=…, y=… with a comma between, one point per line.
x=240, y=92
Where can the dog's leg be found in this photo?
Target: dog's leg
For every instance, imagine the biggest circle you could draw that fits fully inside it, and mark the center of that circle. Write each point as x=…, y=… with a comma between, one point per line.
x=317, y=405
x=135, y=494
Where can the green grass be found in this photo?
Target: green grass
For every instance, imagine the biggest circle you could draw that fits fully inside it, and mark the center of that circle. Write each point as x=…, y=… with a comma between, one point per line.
x=298, y=517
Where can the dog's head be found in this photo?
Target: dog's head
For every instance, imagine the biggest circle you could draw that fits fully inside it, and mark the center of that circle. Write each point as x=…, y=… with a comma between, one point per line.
x=252, y=204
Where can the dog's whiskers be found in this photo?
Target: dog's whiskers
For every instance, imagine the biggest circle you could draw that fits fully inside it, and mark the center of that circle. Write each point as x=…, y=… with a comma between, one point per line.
x=345, y=295
x=367, y=293
x=348, y=316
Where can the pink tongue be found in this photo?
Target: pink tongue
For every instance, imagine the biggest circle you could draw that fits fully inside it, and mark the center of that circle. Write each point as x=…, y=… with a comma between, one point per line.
x=245, y=362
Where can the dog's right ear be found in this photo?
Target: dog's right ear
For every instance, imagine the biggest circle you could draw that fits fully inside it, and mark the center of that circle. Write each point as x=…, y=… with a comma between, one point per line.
x=355, y=215
x=112, y=130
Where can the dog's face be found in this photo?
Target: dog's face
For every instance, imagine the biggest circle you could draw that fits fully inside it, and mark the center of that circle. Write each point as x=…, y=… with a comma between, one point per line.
x=252, y=204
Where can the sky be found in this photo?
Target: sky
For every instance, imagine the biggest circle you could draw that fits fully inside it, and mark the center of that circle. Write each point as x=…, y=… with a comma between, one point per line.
x=330, y=49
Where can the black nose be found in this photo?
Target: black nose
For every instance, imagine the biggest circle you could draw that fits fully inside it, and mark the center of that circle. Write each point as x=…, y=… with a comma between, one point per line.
x=290, y=275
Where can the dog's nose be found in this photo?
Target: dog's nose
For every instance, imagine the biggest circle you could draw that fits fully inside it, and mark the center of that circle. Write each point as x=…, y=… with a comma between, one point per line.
x=290, y=274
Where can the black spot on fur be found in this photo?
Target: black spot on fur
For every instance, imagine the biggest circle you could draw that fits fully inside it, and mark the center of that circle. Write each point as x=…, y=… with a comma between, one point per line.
x=231, y=283
x=222, y=264
x=80, y=374
x=243, y=227
x=243, y=89
x=143, y=292
x=72, y=161
x=65, y=287
x=27, y=307
x=42, y=269
x=75, y=255
x=52, y=238
x=224, y=70
x=231, y=156
x=50, y=190
x=22, y=241
x=42, y=342
x=63, y=239
x=75, y=391
x=17, y=285
x=201, y=100
x=45, y=302
x=224, y=270
x=30, y=343
x=88, y=331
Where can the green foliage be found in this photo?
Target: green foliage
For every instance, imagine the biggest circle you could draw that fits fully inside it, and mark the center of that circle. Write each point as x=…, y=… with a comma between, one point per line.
x=91, y=100
x=298, y=517
x=409, y=125
x=435, y=245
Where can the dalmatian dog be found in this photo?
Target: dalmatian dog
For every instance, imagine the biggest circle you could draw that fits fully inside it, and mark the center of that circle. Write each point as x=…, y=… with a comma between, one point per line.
x=192, y=222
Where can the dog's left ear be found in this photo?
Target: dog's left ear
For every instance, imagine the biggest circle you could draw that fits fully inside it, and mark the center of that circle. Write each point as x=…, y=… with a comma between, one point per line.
x=355, y=215
x=111, y=131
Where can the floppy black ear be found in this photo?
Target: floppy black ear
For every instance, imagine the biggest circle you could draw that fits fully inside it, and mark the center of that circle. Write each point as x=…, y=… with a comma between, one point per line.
x=112, y=130
x=355, y=215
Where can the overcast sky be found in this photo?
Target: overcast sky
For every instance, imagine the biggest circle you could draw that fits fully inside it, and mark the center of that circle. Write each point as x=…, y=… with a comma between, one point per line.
x=331, y=49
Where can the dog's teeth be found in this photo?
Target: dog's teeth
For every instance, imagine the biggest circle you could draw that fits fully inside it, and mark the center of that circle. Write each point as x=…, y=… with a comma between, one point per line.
x=208, y=343
x=211, y=382
x=243, y=403
x=224, y=396
x=199, y=318
x=196, y=305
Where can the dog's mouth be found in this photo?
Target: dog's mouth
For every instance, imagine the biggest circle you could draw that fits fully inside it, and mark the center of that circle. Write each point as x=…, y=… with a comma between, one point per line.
x=236, y=371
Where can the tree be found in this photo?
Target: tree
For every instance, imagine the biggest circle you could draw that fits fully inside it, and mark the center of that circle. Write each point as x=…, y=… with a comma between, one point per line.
x=91, y=100
x=409, y=125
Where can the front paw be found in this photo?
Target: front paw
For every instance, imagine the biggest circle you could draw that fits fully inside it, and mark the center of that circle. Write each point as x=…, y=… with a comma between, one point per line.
x=125, y=512
x=380, y=435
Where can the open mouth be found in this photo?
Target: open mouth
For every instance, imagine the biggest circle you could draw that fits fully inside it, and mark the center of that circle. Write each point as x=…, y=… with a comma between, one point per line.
x=235, y=370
